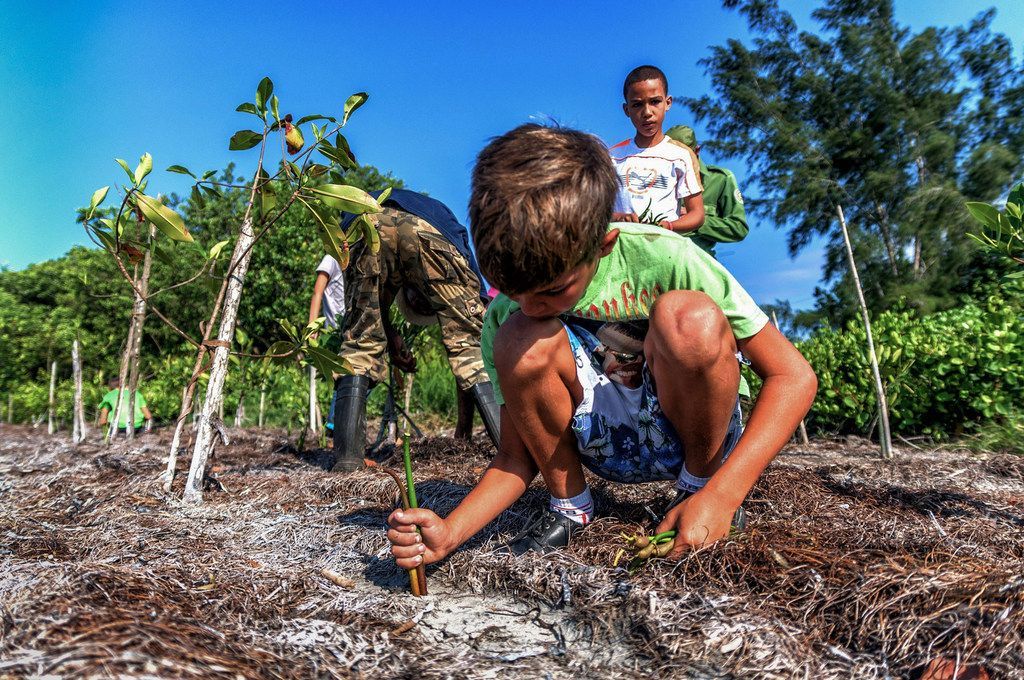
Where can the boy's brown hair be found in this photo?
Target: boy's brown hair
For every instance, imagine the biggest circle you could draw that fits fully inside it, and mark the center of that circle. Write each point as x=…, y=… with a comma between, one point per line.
x=541, y=202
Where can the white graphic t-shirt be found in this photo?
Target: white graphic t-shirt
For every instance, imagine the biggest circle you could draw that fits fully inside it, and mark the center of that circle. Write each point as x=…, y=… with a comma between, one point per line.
x=654, y=180
x=334, y=295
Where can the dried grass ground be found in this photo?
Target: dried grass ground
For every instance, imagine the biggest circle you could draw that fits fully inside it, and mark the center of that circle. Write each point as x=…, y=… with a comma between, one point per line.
x=852, y=568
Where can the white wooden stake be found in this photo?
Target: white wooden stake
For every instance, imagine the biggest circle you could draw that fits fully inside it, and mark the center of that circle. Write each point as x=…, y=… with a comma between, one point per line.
x=79, y=428
x=313, y=424
x=51, y=425
x=263, y=403
x=884, y=435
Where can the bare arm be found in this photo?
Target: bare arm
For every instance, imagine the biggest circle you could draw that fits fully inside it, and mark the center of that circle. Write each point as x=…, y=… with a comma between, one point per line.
x=692, y=220
x=318, y=295
x=501, y=485
x=146, y=412
x=103, y=415
x=785, y=397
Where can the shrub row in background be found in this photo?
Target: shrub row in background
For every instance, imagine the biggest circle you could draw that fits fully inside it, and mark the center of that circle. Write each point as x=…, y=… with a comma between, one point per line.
x=945, y=373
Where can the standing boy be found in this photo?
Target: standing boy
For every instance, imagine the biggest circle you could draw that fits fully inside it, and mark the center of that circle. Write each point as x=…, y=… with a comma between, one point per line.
x=725, y=219
x=540, y=204
x=424, y=265
x=656, y=177
x=328, y=297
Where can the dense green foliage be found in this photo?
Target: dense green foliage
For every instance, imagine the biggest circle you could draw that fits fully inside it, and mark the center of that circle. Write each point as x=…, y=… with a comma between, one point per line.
x=898, y=126
x=45, y=306
x=944, y=373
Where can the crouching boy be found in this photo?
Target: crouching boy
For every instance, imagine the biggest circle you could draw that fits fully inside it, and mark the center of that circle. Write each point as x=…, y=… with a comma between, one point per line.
x=540, y=208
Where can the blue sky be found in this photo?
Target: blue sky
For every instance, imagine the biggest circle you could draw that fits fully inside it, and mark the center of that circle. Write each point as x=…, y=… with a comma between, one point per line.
x=84, y=83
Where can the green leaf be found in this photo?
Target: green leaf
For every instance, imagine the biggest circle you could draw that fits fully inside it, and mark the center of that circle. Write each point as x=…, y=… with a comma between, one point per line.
x=353, y=103
x=384, y=195
x=282, y=347
x=181, y=170
x=268, y=200
x=332, y=236
x=248, y=107
x=127, y=170
x=144, y=168
x=241, y=337
x=98, y=197
x=274, y=109
x=208, y=174
x=984, y=213
x=197, y=198
x=327, y=363
x=263, y=92
x=1016, y=196
x=217, y=248
x=346, y=198
x=164, y=255
x=104, y=236
x=165, y=219
x=244, y=139
x=307, y=119
x=316, y=169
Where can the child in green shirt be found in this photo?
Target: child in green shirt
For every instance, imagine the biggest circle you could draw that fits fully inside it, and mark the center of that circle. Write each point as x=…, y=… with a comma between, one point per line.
x=109, y=404
x=540, y=208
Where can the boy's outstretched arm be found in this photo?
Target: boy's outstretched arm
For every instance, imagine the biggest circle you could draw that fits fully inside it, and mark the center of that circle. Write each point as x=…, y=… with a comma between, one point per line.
x=785, y=397
x=692, y=220
x=504, y=481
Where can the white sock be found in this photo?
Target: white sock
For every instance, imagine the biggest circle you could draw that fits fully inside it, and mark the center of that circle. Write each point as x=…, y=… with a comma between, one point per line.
x=690, y=482
x=579, y=509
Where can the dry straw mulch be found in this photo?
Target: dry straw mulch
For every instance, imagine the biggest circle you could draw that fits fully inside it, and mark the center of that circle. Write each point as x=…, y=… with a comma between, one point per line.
x=851, y=568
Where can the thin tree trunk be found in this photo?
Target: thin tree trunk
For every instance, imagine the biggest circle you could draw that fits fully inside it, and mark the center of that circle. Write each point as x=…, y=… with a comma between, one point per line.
x=218, y=370
x=884, y=435
x=240, y=410
x=263, y=403
x=138, y=322
x=51, y=425
x=312, y=400
x=122, y=378
x=10, y=408
x=887, y=239
x=78, y=429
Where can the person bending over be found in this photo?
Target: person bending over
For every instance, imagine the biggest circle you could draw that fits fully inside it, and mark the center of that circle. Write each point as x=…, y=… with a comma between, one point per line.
x=540, y=208
x=424, y=265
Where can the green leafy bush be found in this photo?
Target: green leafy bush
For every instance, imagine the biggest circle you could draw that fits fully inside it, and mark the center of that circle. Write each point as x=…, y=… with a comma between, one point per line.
x=944, y=373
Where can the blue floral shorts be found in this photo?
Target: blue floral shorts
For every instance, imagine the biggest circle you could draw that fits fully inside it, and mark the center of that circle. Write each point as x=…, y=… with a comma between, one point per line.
x=622, y=433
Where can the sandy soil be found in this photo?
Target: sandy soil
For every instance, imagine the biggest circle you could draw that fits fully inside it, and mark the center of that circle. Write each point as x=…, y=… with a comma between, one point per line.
x=852, y=567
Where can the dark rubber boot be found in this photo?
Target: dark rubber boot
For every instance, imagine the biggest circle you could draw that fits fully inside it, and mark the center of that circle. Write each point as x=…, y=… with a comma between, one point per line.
x=490, y=412
x=350, y=422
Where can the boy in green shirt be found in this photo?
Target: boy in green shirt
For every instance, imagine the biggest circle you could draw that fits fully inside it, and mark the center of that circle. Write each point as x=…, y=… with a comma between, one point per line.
x=109, y=404
x=540, y=209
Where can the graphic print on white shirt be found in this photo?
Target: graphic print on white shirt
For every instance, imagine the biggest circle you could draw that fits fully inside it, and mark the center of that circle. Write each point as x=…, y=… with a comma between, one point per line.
x=653, y=179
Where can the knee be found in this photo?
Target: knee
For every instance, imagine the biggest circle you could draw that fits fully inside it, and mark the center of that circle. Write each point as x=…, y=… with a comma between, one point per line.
x=690, y=329
x=526, y=349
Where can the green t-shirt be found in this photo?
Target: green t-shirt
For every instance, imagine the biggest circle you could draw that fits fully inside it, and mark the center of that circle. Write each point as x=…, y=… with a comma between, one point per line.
x=110, y=402
x=645, y=262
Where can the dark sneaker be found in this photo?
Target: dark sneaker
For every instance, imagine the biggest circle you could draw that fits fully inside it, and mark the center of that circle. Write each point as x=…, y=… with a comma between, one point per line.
x=739, y=519
x=544, y=532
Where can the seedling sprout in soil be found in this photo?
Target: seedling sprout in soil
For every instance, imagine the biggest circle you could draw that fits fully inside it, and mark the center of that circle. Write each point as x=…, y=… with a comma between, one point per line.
x=417, y=576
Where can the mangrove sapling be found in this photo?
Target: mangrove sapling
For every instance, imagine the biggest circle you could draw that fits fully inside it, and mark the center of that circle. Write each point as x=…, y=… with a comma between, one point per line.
x=138, y=323
x=407, y=491
x=324, y=202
